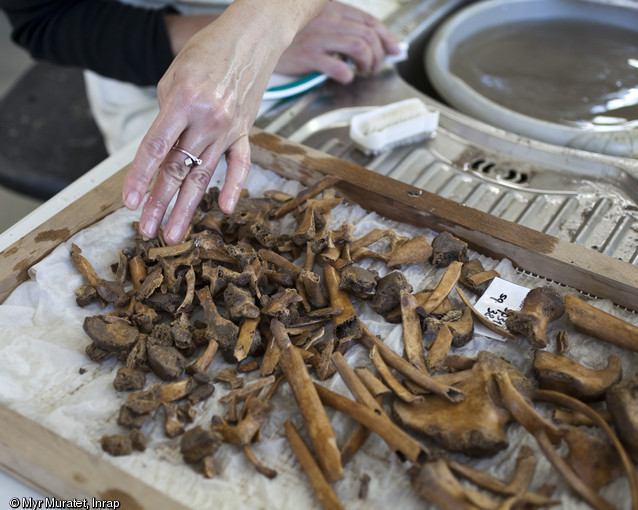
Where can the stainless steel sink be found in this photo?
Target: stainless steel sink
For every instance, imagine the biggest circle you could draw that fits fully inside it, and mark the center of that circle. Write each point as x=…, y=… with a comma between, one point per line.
x=582, y=197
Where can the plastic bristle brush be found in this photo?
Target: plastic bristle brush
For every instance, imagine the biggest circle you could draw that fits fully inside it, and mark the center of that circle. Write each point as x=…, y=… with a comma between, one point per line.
x=393, y=125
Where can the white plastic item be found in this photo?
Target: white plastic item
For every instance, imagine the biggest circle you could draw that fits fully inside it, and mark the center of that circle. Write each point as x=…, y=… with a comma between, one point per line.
x=393, y=125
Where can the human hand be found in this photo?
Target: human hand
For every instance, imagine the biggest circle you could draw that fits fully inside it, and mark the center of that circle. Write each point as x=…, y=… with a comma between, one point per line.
x=209, y=99
x=339, y=30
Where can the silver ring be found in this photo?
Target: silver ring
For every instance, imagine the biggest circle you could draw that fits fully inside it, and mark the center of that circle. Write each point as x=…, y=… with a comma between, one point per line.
x=190, y=160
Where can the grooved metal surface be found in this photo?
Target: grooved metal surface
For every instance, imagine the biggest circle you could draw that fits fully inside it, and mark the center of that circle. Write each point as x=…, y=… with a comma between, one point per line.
x=581, y=197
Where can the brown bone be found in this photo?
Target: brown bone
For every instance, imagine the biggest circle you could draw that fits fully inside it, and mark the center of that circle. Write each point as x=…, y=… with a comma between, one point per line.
x=591, y=320
x=555, y=372
x=541, y=306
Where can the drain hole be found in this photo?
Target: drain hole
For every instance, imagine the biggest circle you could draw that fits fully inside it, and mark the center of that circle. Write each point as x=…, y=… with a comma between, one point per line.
x=491, y=169
x=516, y=176
x=477, y=164
x=487, y=168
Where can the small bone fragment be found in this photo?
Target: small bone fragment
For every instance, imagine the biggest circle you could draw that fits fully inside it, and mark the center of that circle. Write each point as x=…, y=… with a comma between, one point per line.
x=150, y=284
x=346, y=325
x=177, y=390
x=326, y=496
x=555, y=372
x=229, y=376
x=171, y=251
x=197, y=443
x=190, y=290
x=541, y=306
x=245, y=339
x=250, y=389
x=412, y=333
x=200, y=366
x=523, y=411
x=439, y=349
x=173, y=426
x=110, y=333
x=414, y=251
x=577, y=419
x=254, y=413
x=145, y=401
x=362, y=396
x=261, y=468
x=435, y=482
x=408, y=370
x=320, y=430
x=398, y=440
x=482, y=319
x=305, y=194
x=117, y=445
x=312, y=285
x=388, y=378
x=443, y=288
x=129, y=419
x=447, y=248
x=594, y=461
x=578, y=406
x=306, y=230
x=572, y=479
x=358, y=280
x=525, y=464
x=111, y=292
x=138, y=441
x=388, y=291
x=202, y=392
x=137, y=270
x=354, y=443
x=374, y=385
x=270, y=361
x=475, y=278
x=279, y=261
x=365, y=486
x=591, y=320
x=128, y=379
x=223, y=331
x=622, y=403
x=167, y=362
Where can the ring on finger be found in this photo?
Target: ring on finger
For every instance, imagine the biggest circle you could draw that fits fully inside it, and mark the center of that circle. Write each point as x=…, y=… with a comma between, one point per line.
x=190, y=158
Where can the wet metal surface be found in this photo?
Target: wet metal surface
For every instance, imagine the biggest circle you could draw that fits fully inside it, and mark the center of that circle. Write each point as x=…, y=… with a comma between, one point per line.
x=582, y=197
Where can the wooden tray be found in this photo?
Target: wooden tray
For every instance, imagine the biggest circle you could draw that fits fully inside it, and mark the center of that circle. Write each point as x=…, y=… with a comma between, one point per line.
x=58, y=467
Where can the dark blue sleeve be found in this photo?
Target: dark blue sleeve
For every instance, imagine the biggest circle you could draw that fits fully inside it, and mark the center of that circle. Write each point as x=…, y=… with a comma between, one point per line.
x=113, y=39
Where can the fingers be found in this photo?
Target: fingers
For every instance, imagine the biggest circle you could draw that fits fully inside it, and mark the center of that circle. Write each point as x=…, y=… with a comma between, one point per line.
x=191, y=190
x=152, y=151
x=238, y=163
x=176, y=173
x=387, y=39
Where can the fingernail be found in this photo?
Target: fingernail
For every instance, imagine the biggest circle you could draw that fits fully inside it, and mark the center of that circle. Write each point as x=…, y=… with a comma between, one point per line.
x=173, y=234
x=147, y=229
x=132, y=200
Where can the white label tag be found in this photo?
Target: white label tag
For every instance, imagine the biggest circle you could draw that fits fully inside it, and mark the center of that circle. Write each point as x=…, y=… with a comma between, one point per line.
x=499, y=297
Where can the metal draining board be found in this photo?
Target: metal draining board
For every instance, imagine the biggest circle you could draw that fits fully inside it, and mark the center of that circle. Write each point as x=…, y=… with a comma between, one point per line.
x=580, y=197
x=594, y=213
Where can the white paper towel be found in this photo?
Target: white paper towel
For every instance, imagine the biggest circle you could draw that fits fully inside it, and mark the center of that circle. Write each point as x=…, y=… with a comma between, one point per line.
x=42, y=348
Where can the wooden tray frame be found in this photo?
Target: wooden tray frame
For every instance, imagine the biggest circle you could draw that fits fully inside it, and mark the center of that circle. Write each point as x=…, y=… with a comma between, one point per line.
x=58, y=467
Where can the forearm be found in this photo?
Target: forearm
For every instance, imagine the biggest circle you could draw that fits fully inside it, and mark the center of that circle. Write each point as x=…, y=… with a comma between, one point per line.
x=113, y=39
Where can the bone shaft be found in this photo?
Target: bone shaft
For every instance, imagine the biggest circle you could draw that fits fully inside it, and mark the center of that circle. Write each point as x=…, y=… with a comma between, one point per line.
x=320, y=432
x=324, y=492
x=595, y=322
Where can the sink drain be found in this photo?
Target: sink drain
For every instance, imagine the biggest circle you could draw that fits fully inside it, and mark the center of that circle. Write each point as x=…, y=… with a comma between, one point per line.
x=489, y=169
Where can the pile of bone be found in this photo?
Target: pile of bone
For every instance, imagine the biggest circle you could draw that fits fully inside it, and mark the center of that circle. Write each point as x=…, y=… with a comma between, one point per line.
x=232, y=287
